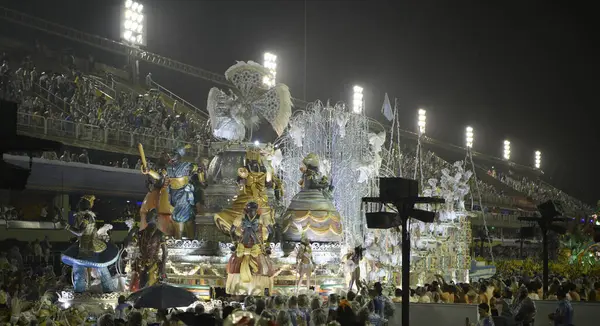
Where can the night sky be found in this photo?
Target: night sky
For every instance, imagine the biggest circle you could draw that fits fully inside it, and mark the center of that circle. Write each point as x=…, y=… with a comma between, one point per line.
x=522, y=70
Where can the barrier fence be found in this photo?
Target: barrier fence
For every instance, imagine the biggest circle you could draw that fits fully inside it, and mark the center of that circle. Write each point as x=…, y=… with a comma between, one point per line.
x=39, y=125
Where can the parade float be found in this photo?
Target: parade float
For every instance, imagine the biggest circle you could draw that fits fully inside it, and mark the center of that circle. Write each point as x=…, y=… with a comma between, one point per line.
x=279, y=217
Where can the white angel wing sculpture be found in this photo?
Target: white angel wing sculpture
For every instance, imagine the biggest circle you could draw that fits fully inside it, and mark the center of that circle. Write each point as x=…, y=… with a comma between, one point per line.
x=231, y=114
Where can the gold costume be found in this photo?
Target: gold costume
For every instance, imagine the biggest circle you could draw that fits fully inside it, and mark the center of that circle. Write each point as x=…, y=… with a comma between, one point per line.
x=253, y=187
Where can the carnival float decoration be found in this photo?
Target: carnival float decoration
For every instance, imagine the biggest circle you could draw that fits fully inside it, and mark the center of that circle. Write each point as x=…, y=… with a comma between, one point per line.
x=177, y=181
x=234, y=116
x=328, y=140
x=250, y=270
x=312, y=210
x=252, y=180
x=443, y=246
x=92, y=251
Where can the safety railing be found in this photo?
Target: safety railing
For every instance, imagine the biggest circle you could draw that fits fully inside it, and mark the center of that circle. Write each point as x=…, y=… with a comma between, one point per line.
x=39, y=125
x=177, y=98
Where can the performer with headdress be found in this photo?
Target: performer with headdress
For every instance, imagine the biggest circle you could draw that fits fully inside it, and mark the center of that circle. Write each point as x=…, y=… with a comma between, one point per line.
x=352, y=266
x=304, y=260
x=90, y=251
x=311, y=208
x=252, y=179
x=149, y=266
x=249, y=269
x=177, y=176
x=158, y=195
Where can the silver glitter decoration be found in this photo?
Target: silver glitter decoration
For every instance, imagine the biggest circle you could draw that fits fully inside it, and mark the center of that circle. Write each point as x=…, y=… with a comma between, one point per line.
x=341, y=140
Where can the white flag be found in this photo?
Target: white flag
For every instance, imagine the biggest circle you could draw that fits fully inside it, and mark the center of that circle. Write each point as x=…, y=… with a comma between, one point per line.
x=386, y=109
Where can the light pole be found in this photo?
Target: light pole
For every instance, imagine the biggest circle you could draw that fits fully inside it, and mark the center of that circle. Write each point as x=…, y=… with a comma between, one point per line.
x=270, y=62
x=357, y=99
x=133, y=32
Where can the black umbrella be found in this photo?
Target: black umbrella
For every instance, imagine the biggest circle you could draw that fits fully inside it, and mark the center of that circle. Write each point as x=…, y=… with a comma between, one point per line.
x=162, y=296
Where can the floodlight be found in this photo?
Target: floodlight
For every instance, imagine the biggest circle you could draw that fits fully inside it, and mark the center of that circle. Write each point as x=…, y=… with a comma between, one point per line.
x=507, y=150
x=132, y=25
x=256, y=143
x=538, y=159
x=422, y=121
x=469, y=137
x=357, y=99
x=270, y=62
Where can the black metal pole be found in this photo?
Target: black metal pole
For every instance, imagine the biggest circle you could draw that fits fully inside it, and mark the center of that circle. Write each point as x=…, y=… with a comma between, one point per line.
x=545, y=258
x=405, y=271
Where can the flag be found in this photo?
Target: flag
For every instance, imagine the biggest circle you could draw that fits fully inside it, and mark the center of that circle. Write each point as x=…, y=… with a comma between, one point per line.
x=386, y=109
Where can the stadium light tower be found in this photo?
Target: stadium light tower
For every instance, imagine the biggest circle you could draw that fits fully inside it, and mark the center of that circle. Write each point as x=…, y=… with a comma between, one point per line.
x=358, y=103
x=270, y=62
x=133, y=29
x=469, y=137
x=507, y=150
x=422, y=121
x=538, y=159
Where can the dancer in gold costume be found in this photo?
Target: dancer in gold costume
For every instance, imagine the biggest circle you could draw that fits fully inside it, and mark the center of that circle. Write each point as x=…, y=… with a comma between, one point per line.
x=311, y=209
x=252, y=179
x=249, y=269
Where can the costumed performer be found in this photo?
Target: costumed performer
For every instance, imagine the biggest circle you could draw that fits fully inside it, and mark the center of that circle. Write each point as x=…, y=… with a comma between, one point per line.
x=90, y=251
x=158, y=194
x=149, y=265
x=304, y=261
x=352, y=267
x=311, y=209
x=252, y=180
x=249, y=270
x=179, y=173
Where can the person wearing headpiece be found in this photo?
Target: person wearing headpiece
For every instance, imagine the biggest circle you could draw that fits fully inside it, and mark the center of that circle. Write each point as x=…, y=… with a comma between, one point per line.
x=249, y=270
x=252, y=180
x=304, y=261
x=312, y=208
x=149, y=267
x=90, y=251
x=177, y=176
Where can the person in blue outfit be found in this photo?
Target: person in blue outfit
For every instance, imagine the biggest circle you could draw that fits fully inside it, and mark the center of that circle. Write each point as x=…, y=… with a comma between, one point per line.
x=90, y=251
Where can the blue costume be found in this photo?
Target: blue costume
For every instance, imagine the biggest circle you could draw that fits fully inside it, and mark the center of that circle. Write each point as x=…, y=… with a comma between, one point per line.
x=89, y=251
x=181, y=193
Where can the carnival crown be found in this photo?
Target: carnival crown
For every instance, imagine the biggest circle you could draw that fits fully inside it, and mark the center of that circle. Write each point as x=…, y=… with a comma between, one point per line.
x=253, y=155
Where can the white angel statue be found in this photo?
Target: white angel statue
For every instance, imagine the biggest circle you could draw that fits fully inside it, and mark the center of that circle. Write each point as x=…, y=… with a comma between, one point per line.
x=248, y=99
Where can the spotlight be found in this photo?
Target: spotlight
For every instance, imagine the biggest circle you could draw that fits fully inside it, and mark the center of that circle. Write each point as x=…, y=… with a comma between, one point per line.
x=357, y=99
x=422, y=121
x=132, y=25
x=256, y=143
x=469, y=137
x=538, y=159
x=507, y=150
x=270, y=62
